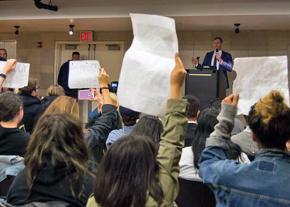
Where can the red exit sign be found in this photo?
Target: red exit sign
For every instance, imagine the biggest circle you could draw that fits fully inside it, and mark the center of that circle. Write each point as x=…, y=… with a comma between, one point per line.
x=86, y=36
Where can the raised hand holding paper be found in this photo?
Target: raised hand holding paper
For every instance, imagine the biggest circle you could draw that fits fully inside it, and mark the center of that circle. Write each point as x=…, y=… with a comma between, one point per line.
x=256, y=76
x=17, y=78
x=83, y=74
x=144, y=83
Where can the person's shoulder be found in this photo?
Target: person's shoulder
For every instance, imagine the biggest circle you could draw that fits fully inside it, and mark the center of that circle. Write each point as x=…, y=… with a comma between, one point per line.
x=16, y=133
x=22, y=136
x=209, y=53
x=64, y=65
x=92, y=202
x=226, y=53
x=187, y=150
x=192, y=125
x=115, y=132
x=114, y=136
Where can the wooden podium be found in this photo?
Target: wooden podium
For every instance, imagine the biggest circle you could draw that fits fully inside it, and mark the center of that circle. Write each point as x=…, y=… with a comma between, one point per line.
x=206, y=84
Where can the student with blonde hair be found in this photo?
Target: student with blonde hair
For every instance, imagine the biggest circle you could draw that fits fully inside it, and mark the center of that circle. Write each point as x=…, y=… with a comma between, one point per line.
x=263, y=182
x=98, y=132
x=57, y=159
x=53, y=92
x=64, y=105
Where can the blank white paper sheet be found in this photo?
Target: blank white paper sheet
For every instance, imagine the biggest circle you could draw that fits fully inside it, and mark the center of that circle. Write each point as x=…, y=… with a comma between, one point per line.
x=147, y=65
x=257, y=76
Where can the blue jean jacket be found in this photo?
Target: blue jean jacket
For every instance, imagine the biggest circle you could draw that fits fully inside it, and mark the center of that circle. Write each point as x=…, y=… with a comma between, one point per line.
x=265, y=182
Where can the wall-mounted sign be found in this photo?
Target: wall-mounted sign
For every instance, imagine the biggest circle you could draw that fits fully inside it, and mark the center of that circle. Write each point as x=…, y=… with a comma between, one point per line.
x=86, y=36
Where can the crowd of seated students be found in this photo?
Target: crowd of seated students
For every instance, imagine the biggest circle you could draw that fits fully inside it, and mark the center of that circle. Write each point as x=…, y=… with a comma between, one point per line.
x=124, y=158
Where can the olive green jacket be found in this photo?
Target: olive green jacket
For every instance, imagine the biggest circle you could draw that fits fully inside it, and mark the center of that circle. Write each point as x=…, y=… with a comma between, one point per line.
x=171, y=143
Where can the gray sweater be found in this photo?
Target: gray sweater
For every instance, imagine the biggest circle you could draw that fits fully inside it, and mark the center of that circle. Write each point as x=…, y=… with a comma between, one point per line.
x=246, y=142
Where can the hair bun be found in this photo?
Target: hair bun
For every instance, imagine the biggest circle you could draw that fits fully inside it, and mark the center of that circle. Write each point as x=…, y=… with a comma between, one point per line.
x=277, y=97
x=270, y=106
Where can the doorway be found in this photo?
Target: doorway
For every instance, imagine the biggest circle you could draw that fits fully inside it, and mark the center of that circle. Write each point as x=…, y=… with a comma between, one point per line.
x=109, y=54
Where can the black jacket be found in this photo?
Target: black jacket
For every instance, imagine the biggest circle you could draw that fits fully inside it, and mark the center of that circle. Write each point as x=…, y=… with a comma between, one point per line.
x=52, y=184
x=32, y=111
x=46, y=101
x=63, y=80
x=99, y=131
x=191, y=127
x=13, y=141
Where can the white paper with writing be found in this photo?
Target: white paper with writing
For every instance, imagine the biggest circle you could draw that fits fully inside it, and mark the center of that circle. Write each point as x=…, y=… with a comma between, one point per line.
x=145, y=74
x=83, y=74
x=257, y=76
x=18, y=78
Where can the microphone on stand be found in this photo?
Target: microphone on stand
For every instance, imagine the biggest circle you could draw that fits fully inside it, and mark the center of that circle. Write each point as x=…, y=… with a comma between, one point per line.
x=216, y=51
x=197, y=60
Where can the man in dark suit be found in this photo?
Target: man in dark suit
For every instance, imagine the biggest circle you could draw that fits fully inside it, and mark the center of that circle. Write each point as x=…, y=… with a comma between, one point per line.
x=63, y=76
x=219, y=58
x=3, y=54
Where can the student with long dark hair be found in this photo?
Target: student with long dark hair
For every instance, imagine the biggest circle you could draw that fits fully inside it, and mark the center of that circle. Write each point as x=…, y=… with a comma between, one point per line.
x=57, y=159
x=56, y=164
x=97, y=134
x=264, y=181
x=193, y=192
x=190, y=155
x=206, y=123
x=133, y=173
x=149, y=126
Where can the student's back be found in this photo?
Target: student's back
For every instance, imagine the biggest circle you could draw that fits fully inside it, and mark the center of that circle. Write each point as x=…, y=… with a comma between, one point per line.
x=56, y=164
x=31, y=104
x=265, y=181
x=133, y=173
x=13, y=141
x=51, y=184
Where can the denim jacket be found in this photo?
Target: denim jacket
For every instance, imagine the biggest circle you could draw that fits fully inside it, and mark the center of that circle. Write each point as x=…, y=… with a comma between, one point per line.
x=265, y=182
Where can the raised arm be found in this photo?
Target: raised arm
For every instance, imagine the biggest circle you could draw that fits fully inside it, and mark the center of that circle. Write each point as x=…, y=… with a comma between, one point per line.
x=172, y=139
x=214, y=164
x=9, y=66
x=98, y=133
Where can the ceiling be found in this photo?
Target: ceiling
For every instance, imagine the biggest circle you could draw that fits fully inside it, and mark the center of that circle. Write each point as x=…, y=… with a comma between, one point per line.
x=113, y=15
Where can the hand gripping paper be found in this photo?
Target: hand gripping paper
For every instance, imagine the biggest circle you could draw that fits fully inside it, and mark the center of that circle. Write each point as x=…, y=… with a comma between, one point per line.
x=83, y=74
x=144, y=83
x=18, y=78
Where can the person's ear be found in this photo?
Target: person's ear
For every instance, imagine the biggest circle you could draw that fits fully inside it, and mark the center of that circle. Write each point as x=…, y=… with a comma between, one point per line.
x=33, y=93
x=197, y=114
x=288, y=145
x=256, y=139
x=20, y=114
